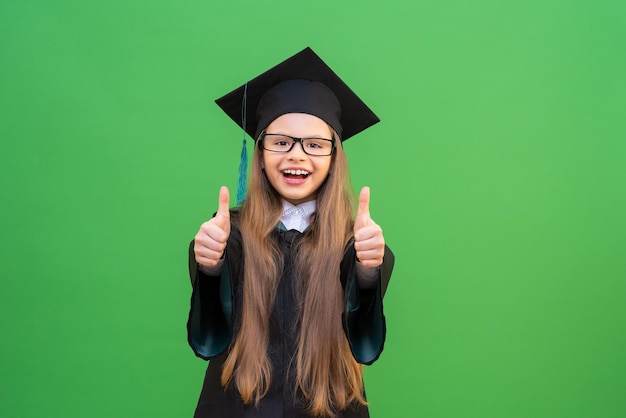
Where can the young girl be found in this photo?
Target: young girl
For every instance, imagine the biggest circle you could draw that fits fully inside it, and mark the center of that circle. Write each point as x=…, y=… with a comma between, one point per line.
x=287, y=289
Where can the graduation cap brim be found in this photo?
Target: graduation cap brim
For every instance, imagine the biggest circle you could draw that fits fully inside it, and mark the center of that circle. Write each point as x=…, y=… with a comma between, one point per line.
x=354, y=115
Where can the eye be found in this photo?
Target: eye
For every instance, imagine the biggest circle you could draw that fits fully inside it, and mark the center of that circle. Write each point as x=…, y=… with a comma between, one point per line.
x=317, y=144
x=279, y=141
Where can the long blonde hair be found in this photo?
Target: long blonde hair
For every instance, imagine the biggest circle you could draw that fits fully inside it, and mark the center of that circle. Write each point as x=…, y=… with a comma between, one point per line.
x=326, y=371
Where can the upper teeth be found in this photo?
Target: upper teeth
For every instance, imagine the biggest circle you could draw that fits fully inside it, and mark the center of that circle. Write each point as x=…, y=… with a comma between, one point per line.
x=296, y=172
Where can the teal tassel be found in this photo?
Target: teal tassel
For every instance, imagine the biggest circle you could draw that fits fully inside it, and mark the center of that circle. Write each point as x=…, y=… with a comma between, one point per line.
x=243, y=160
x=243, y=168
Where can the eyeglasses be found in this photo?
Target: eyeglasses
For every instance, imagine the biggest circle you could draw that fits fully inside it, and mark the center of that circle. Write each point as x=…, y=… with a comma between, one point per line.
x=318, y=147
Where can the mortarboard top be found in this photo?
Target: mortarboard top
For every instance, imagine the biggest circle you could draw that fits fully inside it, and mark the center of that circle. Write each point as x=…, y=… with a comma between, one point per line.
x=302, y=83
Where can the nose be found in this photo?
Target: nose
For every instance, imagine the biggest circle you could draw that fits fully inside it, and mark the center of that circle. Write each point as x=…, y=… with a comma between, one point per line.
x=297, y=150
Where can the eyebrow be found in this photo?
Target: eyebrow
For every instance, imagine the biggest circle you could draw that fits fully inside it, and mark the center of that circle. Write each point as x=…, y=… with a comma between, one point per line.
x=320, y=136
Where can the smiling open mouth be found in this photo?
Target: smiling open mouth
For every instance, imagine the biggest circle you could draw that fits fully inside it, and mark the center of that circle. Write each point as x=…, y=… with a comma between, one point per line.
x=296, y=174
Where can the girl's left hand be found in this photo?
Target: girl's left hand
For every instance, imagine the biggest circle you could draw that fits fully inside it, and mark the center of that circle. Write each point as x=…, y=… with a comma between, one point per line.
x=369, y=242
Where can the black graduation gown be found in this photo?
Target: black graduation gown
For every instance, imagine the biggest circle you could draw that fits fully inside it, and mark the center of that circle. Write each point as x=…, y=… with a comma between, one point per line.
x=215, y=314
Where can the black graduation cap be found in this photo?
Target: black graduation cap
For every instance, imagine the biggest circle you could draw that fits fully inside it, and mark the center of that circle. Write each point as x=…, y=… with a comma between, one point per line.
x=302, y=83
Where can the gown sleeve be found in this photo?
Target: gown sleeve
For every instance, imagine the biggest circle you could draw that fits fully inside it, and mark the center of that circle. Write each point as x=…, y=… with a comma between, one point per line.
x=363, y=317
x=210, y=322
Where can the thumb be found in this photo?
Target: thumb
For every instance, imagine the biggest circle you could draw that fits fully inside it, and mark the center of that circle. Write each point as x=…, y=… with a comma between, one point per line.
x=363, y=212
x=222, y=209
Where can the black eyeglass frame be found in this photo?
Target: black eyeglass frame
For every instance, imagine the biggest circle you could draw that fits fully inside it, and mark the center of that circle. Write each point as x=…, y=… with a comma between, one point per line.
x=293, y=142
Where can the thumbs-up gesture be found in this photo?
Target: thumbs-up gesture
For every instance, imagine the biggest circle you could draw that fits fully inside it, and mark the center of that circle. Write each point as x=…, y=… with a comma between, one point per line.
x=369, y=242
x=210, y=240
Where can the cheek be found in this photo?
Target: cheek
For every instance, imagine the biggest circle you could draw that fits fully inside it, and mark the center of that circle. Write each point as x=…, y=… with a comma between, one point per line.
x=327, y=168
x=269, y=162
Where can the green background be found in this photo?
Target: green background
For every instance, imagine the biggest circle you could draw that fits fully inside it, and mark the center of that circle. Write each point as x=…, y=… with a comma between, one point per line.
x=497, y=174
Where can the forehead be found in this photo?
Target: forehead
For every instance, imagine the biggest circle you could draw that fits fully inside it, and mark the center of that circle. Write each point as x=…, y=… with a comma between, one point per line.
x=300, y=125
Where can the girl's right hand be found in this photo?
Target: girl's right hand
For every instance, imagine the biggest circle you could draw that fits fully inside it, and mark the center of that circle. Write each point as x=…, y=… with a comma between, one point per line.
x=210, y=241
